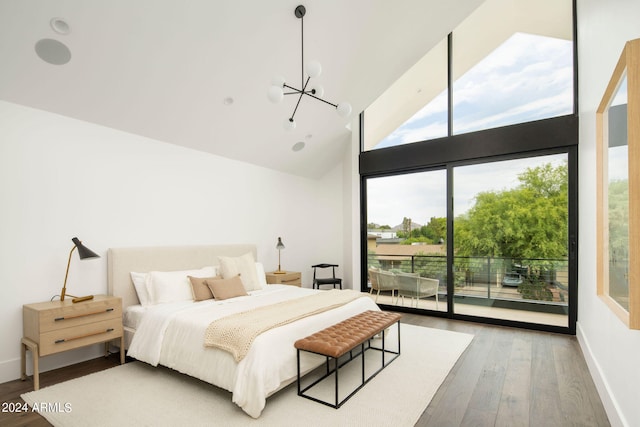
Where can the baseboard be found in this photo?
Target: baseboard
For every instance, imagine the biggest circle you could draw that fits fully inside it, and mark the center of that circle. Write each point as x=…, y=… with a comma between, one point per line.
x=10, y=369
x=616, y=418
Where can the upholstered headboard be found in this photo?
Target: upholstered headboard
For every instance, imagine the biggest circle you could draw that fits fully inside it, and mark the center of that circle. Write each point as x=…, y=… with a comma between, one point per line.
x=122, y=261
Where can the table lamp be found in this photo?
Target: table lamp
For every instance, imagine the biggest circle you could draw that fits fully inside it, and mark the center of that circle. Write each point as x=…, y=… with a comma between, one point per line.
x=83, y=253
x=279, y=247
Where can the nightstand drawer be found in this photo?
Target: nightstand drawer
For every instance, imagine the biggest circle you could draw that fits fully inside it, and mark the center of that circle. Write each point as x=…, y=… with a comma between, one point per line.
x=292, y=281
x=78, y=314
x=291, y=278
x=79, y=336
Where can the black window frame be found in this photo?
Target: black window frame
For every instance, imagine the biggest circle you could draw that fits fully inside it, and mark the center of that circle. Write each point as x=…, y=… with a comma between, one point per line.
x=547, y=136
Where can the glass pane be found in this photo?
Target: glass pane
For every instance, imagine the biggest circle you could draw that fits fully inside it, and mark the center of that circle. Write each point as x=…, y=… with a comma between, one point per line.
x=618, y=198
x=414, y=108
x=510, y=240
x=406, y=233
x=527, y=77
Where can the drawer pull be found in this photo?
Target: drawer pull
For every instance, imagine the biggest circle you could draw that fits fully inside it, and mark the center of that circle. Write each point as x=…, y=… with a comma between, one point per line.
x=83, y=315
x=83, y=336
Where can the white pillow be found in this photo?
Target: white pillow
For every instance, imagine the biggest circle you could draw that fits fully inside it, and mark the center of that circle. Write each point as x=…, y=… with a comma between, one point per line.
x=172, y=286
x=140, y=285
x=262, y=277
x=243, y=265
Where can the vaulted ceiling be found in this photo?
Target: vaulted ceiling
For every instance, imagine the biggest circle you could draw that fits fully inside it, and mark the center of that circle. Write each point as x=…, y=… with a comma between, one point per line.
x=166, y=69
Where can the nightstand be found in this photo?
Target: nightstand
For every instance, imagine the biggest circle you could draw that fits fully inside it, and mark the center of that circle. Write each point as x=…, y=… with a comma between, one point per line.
x=56, y=326
x=293, y=278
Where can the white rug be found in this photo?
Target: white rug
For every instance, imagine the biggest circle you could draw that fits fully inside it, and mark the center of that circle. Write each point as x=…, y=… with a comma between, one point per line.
x=136, y=394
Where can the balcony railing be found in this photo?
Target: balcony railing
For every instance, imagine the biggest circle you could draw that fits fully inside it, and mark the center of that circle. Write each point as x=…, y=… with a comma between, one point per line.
x=531, y=280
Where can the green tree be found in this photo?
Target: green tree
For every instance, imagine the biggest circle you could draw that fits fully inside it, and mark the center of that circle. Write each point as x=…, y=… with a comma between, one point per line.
x=529, y=221
x=406, y=226
x=435, y=230
x=619, y=220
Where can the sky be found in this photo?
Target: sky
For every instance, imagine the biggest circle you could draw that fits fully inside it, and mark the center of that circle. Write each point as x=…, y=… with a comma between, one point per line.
x=618, y=157
x=422, y=195
x=528, y=77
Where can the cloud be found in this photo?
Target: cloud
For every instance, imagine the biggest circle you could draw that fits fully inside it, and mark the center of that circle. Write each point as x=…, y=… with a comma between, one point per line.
x=528, y=77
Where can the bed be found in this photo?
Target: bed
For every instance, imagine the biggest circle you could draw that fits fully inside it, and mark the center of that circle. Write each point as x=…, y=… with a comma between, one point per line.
x=171, y=333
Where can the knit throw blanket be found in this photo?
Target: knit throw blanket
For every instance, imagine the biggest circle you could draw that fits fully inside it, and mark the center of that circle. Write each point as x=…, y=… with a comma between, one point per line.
x=236, y=332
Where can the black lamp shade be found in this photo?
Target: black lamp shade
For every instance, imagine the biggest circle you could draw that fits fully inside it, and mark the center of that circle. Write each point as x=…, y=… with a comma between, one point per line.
x=83, y=251
x=280, y=245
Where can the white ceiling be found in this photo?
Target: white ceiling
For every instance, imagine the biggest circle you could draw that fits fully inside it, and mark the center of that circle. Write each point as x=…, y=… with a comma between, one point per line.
x=162, y=68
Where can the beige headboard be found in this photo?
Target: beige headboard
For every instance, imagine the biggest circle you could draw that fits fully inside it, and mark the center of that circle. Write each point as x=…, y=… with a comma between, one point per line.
x=122, y=261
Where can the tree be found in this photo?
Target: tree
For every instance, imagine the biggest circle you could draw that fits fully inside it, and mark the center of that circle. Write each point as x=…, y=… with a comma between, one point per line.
x=435, y=230
x=406, y=226
x=529, y=221
x=619, y=220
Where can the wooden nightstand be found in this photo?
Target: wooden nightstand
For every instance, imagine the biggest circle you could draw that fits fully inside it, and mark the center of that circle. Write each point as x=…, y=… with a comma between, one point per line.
x=293, y=278
x=55, y=326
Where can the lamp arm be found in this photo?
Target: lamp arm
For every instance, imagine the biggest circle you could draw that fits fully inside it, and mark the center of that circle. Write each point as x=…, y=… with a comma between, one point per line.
x=302, y=92
x=64, y=286
x=320, y=99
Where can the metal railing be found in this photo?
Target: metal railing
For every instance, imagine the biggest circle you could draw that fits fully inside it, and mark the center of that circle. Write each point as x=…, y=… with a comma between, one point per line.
x=540, y=280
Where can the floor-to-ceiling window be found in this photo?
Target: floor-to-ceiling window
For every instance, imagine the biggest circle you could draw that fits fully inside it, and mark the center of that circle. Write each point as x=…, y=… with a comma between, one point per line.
x=475, y=188
x=406, y=239
x=511, y=220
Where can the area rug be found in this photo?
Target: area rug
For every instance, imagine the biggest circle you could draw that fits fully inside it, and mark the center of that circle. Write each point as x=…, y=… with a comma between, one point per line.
x=136, y=394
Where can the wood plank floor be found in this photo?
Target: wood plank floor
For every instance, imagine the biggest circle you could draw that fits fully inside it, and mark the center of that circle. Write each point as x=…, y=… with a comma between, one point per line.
x=507, y=377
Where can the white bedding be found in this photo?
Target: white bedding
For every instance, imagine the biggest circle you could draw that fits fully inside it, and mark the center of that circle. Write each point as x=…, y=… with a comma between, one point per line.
x=172, y=335
x=132, y=316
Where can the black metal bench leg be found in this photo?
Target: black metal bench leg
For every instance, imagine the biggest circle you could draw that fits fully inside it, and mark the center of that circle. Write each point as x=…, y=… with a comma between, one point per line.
x=337, y=383
x=298, y=357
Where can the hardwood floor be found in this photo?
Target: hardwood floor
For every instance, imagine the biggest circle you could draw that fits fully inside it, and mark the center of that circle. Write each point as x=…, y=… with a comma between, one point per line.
x=513, y=377
x=11, y=391
x=507, y=377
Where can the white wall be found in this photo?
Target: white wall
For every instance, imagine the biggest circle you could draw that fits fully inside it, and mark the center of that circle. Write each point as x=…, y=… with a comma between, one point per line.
x=61, y=178
x=351, y=204
x=612, y=350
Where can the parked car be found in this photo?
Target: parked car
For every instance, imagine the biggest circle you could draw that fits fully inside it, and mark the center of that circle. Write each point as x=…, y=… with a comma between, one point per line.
x=512, y=279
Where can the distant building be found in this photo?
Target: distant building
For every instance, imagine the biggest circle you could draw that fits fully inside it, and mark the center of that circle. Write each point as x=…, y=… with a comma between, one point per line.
x=393, y=255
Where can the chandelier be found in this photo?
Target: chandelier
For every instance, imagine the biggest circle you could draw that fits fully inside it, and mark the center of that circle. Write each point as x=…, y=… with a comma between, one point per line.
x=313, y=69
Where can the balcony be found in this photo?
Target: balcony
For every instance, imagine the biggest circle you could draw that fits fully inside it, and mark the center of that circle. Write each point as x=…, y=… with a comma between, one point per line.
x=528, y=290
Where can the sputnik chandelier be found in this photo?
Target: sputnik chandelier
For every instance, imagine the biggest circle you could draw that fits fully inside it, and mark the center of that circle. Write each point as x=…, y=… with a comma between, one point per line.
x=313, y=69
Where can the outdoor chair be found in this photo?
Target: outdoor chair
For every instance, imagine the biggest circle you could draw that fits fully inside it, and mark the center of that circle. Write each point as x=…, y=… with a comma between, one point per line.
x=413, y=286
x=387, y=281
x=384, y=284
x=333, y=280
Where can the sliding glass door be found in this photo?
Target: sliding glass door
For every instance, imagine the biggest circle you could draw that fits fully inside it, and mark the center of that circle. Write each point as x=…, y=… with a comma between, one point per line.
x=485, y=239
x=406, y=239
x=511, y=251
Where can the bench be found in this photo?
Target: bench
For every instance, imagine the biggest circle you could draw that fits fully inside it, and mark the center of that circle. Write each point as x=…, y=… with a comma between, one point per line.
x=345, y=337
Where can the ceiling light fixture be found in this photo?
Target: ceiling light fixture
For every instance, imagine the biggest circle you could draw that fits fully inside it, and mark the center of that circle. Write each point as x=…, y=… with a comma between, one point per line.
x=60, y=26
x=313, y=69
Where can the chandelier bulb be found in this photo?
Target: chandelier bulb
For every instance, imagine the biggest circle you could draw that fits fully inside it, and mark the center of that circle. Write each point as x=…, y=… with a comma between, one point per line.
x=275, y=94
x=344, y=109
x=313, y=69
x=317, y=90
x=289, y=124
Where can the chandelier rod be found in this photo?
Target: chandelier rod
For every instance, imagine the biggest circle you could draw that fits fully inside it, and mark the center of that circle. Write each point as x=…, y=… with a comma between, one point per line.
x=302, y=48
x=276, y=91
x=302, y=92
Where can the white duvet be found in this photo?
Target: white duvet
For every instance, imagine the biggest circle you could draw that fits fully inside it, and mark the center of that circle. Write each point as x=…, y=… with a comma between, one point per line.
x=172, y=335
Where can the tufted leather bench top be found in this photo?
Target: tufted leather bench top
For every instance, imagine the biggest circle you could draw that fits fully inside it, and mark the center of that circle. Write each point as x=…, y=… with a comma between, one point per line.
x=342, y=337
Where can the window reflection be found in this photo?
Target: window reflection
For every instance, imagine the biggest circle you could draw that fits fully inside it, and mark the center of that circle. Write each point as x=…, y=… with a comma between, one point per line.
x=618, y=198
